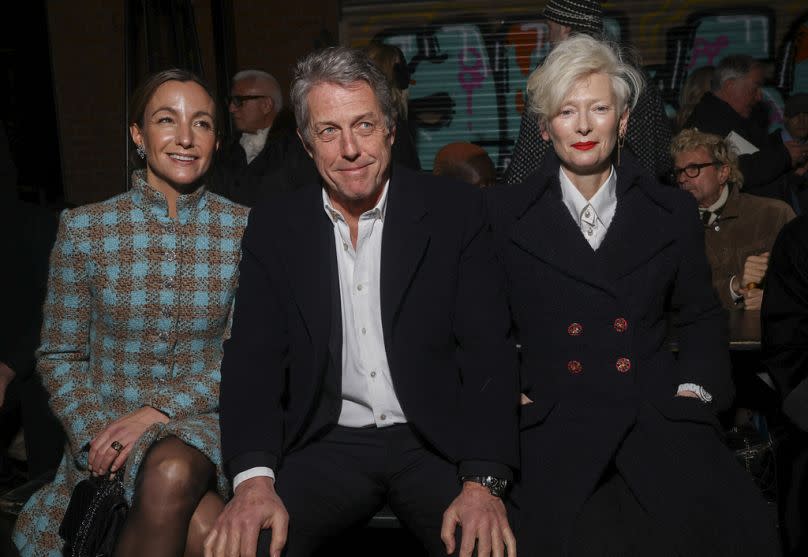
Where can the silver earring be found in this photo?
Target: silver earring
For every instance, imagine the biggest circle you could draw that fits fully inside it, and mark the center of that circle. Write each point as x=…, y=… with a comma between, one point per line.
x=141, y=152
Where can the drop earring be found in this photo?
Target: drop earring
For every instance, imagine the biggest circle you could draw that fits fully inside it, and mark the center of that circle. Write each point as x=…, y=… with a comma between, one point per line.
x=141, y=152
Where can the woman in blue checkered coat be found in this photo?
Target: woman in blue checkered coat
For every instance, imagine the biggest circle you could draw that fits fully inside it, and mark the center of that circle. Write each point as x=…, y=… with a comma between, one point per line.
x=139, y=298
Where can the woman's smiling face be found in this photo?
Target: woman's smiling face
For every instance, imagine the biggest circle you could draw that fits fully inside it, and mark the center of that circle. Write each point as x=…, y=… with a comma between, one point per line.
x=178, y=135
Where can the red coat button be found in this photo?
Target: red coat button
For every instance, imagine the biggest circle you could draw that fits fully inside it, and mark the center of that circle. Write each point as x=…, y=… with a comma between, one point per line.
x=574, y=367
x=575, y=329
x=623, y=365
x=620, y=325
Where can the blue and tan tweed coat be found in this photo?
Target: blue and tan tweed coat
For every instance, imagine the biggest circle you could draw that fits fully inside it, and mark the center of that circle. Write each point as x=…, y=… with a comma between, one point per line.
x=136, y=311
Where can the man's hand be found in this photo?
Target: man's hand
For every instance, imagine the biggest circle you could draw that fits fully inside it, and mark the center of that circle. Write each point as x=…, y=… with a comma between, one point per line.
x=7, y=375
x=254, y=506
x=687, y=394
x=483, y=519
x=752, y=298
x=797, y=151
x=125, y=430
x=754, y=269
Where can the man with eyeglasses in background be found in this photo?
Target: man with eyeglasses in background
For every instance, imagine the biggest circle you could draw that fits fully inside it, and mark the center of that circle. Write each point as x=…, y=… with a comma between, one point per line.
x=739, y=229
x=266, y=155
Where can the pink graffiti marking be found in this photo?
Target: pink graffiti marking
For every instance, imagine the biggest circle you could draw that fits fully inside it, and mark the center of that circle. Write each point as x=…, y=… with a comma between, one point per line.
x=470, y=76
x=703, y=47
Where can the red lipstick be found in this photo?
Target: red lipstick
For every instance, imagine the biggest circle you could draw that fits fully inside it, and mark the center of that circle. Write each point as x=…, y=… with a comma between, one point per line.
x=584, y=145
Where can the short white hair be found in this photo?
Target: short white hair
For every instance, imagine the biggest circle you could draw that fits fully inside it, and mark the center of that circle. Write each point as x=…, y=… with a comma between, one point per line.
x=274, y=87
x=574, y=59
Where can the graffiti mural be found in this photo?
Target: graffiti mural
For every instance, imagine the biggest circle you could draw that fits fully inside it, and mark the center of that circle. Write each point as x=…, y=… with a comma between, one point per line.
x=718, y=36
x=468, y=81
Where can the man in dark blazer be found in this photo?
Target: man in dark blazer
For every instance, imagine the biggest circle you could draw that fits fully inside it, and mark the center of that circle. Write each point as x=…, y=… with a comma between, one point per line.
x=370, y=360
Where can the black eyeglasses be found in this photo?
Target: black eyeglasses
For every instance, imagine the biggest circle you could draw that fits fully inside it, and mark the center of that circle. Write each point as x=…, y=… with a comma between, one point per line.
x=239, y=100
x=691, y=170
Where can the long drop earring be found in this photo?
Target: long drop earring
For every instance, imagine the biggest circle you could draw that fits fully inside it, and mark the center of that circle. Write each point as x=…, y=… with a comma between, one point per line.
x=141, y=151
x=621, y=140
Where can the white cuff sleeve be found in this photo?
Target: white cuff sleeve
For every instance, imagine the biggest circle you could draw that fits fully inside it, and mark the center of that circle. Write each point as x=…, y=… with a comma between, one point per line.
x=700, y=391
x=252, y=473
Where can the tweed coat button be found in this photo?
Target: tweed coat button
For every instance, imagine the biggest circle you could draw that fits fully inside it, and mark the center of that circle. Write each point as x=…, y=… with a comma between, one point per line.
x=162, y=336
x=574, y=367
x=575, y=329
x=620, y=325
x=623, y=365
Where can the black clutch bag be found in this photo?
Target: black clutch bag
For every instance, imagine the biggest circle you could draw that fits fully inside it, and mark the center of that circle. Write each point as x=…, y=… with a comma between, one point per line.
x=94, y=517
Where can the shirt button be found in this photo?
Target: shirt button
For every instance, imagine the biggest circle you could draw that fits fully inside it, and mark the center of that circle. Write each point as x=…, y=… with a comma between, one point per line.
x=373, y=374
x=383, y=416
x=620, y=325
x=345, y=246
x=359, y=287
x=623, y=365
x=574, y=367
x=575, y=329
x=589, y=232
x=364, y=330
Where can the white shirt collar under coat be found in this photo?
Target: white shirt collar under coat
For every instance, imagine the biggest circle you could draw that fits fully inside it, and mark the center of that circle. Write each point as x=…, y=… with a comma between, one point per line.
x=604, y=204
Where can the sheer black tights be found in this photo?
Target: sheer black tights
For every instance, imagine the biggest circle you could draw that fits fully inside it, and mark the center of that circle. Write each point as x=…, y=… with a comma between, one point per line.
x=173, y=508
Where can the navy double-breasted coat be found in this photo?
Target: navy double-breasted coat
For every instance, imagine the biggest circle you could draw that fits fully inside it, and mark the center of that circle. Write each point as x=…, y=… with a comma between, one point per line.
x=596, y=361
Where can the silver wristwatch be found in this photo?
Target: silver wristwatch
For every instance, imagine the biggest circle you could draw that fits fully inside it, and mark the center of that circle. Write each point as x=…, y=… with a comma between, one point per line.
x=497, y=486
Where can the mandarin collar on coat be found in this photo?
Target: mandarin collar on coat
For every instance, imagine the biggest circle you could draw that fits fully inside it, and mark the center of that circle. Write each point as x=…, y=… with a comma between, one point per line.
x=155, y=203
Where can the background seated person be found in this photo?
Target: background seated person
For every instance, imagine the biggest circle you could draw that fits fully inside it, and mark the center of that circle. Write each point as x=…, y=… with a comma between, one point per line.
x=726, y=110
x=795, y=128
x=466, y=162
x=739, y=229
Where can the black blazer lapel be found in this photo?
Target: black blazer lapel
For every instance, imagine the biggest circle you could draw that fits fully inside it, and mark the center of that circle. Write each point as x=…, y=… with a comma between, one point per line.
x=404, y=242
x=546, y=231
x=641, y=228
x=312, y=266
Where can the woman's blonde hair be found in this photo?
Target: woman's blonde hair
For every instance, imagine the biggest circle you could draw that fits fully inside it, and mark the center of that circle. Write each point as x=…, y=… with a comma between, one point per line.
x=718, y=149
x=696, y=84
x=574, y=59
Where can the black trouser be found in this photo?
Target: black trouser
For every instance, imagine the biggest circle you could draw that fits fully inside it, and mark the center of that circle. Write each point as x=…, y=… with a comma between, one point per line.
x=343, y=478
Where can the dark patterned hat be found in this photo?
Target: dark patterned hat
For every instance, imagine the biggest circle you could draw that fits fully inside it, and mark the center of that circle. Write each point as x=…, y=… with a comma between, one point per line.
x=582, y=15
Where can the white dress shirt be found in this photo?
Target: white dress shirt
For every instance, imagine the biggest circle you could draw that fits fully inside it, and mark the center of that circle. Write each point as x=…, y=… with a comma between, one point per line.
x=594, y=216
x=252, y=143
x=368, y=396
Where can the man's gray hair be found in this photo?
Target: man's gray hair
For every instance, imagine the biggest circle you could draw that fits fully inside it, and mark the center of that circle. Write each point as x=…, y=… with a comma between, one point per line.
x=274, y=87
x=732, y=67
x=342, y=66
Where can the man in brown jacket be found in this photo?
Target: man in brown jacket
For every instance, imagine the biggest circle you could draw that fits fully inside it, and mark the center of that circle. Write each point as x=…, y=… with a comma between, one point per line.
x=739, y=229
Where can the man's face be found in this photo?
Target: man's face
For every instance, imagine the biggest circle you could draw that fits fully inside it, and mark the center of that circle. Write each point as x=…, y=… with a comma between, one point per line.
x=744, y=92
x=706, y=187
x=350, y=143
x=797, y=126
x=253, y=113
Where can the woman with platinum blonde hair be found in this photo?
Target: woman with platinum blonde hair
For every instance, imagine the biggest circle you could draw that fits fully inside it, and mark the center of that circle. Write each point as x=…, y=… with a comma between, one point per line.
x=621, y=450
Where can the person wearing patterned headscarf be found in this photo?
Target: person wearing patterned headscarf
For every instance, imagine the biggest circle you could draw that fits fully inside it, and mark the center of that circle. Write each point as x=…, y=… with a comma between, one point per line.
x=649, y=130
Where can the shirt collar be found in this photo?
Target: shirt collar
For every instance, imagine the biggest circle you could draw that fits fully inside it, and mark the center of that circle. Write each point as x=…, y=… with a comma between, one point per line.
x=604, y=202
x=378, y=211
x=155, y=203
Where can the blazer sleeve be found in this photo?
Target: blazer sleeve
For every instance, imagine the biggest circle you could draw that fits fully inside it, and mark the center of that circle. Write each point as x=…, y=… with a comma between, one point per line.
x=784, y=321
x=254, y=361
x=698, y=319
x=486, y=355
x=63, y=355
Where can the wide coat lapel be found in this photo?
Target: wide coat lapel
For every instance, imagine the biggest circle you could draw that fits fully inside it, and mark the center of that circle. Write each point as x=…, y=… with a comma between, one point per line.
x=404, y=242
x=642, y=225
x=544, y=228
x=312, y=264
